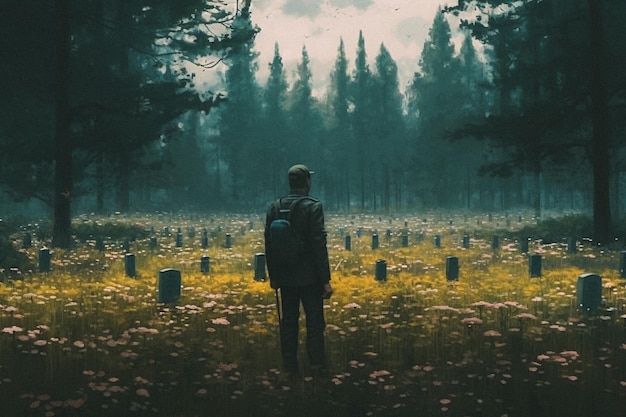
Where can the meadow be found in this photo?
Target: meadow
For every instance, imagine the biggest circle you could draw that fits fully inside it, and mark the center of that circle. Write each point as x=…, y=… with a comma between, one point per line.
x=85, y=339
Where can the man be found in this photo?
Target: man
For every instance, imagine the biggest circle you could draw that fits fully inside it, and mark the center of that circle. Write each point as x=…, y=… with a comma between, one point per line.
x=305, y=281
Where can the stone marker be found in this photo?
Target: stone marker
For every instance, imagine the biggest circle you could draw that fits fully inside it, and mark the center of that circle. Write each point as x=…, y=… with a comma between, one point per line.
x=348, y=242
x=259, y=267
x=381, y=270
x=452, y=268
x=205, y=264
x=534, y=265
x=44, y=260
x=129, y=265
x=374, y=241
x=169, y=285
x=589, y=292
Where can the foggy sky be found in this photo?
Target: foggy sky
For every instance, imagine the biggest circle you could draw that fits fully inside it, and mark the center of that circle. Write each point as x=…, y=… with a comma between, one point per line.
x=402, y=25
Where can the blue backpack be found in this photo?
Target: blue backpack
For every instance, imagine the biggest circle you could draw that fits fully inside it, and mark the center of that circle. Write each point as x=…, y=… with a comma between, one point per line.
x=285, y=244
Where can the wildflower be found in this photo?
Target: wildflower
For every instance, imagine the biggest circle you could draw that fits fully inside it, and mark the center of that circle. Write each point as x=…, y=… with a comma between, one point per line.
x=570, y=354
x=352, y=306
x=492, y=333
x=12, y=330
x=471, y=321
x=221, y=321
x=142, y=392
x=528, y=316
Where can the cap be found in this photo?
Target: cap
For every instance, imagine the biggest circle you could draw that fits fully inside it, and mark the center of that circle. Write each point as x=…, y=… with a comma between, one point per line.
x=300, y=170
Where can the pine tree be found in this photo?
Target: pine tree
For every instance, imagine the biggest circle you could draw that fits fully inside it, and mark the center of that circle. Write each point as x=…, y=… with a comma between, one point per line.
x=362, y=120
x=339, y=130
x=240, y=118
x=389, y=129
x=304, y=114
x=276, y=128
x=435, y=109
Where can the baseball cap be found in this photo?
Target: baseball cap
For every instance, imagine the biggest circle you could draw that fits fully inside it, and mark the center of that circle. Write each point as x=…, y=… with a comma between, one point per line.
x=300, y=170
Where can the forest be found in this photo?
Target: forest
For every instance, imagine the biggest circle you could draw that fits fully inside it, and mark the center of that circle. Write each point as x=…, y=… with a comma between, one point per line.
x=104, y=110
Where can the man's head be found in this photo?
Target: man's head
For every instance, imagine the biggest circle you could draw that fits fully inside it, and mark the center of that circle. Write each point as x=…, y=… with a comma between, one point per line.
x=300, y=177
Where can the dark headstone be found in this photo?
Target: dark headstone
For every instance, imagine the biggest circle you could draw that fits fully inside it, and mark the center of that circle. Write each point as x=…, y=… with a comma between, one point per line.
x=374, y=241
x=205, y=264
x=495, y=242
x=129, y=265
x=381, y=270
x=437, y=241
x=534, y=265
x=405, y=240
x=466, y=241
x=229, y=241
x=523, y=245
x=452, y=268
x=179, y=240
x=571, y=245
x=622, y=264
x=589, y=292
x=169, y=285
x=44, y=260
x=348, y=242
x=259, y=267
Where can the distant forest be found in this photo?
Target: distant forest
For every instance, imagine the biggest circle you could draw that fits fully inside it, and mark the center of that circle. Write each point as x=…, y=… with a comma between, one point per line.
x=102, y=111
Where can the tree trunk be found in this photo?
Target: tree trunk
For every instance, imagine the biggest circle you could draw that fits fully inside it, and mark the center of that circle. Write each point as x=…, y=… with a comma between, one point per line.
x=123, y=185
x=100, y=188
x=600, y=142
x=62, y=228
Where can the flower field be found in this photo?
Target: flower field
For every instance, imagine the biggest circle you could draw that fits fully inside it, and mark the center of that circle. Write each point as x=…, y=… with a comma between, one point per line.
x=85, y=339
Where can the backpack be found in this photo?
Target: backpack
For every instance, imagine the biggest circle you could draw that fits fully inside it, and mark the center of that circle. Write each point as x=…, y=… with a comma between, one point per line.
x=285, y=244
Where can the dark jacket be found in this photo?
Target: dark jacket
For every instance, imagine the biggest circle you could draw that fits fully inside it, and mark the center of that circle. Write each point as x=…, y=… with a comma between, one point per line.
x=307, y=220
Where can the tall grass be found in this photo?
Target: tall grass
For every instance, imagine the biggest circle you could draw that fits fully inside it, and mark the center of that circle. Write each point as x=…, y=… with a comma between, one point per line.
x=85, y=340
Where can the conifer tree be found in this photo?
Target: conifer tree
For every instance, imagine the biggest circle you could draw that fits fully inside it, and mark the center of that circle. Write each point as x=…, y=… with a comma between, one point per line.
x=240, y=120
x=339, y=132
x=362, y=120
x=276, y=128
x=389, y=128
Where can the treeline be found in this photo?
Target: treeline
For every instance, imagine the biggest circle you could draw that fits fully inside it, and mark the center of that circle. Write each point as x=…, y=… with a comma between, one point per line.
x=513, y=104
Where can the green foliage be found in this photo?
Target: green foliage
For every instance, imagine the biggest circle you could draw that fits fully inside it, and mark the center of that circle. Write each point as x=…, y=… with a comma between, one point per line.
x=559, y=228
x=10, y=257
x=109, y=230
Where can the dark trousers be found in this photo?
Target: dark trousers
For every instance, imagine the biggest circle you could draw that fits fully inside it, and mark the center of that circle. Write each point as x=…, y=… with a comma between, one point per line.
x=311, y=298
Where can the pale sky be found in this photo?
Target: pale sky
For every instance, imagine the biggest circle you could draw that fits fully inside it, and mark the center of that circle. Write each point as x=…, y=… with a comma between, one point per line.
x=402, y=25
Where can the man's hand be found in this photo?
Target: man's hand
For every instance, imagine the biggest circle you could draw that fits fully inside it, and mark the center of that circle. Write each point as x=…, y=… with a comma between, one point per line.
x=327, y=291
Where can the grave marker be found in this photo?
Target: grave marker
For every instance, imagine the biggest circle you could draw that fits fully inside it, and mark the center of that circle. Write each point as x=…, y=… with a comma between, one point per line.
x=129, y=265
x=205, y=264
x=169, y=285
x=589, y=292
x=534, y=265
x=381, y=270
x=259, y=267
x=452, y=268
x=374, y=241
x=44, y=260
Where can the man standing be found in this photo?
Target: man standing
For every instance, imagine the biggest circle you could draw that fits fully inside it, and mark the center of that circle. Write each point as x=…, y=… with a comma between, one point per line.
x=306, y=279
